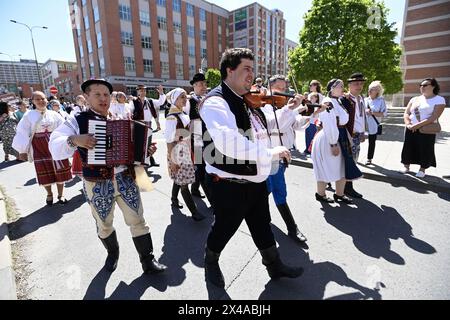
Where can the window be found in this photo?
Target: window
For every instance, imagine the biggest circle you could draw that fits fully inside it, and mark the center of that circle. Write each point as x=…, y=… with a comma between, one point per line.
x=86, y=22
x=191, y=71
x=219, y=38
x=127, y=38
x=202, y=15
x=144, y=18
x=161, y=3
x=162, y=23
x=163, y=46
x=91, y=69
x=89, y=42
x=179, y=68
x=176, y=4
x=83, y=2
x=164, y=68
x=203, y=35
x=177, y=27
x=219, y=22
x=178, y=49
x=124, y=12
x=189, y=10
x=191, y=51
x=101, y=64
x=204, y=53
x=148, y=65
x=129, y=64
x=191, y=31
x=96, y=15
x=81, y=51
x=146, y=42
x=99, y=40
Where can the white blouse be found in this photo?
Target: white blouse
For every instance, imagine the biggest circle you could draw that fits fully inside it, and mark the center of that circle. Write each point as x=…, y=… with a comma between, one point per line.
x=30, y=122
x=425, y=107
x=120, y=111
x=328, y=119
x=171, y=126
x=376, y=105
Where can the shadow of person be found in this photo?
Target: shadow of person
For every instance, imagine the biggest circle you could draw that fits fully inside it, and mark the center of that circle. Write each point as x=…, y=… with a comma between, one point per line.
x=30, y=182
x=313, y=283
x=216, y=293
x=97, y=288
x=184, y=242
x=73, y=182
x=7, y=164
x=372, y=227
x=155, y=177
x=43, y=217
x=136, y=289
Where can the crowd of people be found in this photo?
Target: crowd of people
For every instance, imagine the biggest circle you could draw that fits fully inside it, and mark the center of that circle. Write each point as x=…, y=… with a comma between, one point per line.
x=222, y=141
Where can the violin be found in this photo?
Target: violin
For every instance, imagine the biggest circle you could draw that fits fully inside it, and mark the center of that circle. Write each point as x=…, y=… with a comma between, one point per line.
x=258, y=99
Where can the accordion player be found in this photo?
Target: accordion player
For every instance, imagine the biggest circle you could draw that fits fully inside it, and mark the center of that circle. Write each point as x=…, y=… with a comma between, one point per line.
x=119, y=142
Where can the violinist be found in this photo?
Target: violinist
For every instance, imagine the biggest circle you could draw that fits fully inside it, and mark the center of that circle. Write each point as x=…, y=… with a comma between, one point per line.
x=288, y=119
x=238, y=160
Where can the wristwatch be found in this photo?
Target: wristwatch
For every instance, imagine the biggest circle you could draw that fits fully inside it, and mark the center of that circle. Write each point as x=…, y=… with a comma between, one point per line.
x=70, y=143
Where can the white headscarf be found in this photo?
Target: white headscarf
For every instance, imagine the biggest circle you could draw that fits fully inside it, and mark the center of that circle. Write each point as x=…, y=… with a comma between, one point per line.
x=174, y=95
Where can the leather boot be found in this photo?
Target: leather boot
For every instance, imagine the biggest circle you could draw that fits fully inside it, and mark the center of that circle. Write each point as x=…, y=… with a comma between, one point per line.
x=275, y=267
x=175, y=203
x=187, y=197
x=213, y=273
x=293, y=231
x=144, y=247
x=349, y=191
x=112, y=246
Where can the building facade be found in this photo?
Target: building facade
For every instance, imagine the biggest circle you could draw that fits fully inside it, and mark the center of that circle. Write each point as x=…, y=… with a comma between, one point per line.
x=20, y=77
x=264, y=32
x=53, y=70
x=150, y=42
x=426, y=43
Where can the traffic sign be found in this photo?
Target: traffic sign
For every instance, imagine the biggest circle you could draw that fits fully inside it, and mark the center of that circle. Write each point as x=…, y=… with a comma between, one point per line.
x=53, y=90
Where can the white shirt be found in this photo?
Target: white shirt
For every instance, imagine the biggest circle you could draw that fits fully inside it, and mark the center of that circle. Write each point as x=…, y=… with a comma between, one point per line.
x=425, y=107
x=30, y=122
x=120, y=111
x=156, y=103
x=377, y=105
x=221, y=125
x=360, y=114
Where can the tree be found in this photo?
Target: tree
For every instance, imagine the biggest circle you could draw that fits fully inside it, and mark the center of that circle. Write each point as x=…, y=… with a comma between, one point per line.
x=341, y=37
x=213, y=78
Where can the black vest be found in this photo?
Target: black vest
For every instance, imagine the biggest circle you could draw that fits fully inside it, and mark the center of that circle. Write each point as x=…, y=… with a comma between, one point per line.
x=193, y=112
x=91, y=173
x=239, y=109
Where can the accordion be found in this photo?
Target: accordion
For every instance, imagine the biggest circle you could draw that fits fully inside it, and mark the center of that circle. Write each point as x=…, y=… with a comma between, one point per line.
x=119, y=142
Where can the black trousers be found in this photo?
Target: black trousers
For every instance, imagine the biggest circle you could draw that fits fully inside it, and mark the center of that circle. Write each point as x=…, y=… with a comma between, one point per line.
x=234, y=203
x=372, y=142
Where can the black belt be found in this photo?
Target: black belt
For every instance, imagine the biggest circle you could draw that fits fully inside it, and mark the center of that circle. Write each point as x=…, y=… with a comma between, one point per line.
x=216, y=178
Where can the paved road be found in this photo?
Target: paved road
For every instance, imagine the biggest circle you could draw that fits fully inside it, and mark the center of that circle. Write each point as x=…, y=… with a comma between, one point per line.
x=396, y=241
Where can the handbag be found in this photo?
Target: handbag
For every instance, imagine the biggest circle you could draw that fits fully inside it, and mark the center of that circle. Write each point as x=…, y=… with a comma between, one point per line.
x=380, y=126
x=432, y=128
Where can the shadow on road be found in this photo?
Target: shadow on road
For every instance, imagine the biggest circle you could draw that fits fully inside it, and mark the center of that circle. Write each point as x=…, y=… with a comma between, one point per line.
x=372, y=228
x=30, y=182
x=41, y=218
x=312, y=284
x=7, y=164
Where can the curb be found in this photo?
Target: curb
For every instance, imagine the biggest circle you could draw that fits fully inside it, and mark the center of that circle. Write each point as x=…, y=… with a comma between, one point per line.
x=401, y=179
x=7, y=278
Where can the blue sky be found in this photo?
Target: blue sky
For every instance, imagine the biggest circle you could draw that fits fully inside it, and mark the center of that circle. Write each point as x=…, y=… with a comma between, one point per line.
x=57, y=42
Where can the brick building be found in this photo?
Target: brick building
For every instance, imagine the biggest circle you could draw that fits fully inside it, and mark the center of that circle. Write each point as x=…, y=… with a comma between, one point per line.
x=426, y=42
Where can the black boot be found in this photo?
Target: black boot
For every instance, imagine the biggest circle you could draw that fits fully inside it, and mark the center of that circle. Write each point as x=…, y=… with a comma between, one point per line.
x=195, y=190
x=187, y=197
x=144, y=247
x=175, y=191
x=349, y=191
x=293, y=231
x=213, y=273
x=112, y=246
x=276, y=268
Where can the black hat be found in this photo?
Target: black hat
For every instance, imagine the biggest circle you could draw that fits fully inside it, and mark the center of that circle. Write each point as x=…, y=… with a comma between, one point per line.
x=86, y=84
x=357, y=77
x=198, y=77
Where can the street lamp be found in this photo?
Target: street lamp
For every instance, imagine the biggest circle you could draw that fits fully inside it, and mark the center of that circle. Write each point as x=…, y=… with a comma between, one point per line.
x=14, y=70
x=34, y=48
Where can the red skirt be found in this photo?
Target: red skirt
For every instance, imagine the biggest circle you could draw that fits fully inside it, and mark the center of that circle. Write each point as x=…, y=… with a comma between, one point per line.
x=77, y=166
x=48, y=171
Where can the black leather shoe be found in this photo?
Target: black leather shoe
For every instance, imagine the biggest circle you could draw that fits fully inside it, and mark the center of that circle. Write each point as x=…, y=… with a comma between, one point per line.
x=151, y=266
x=177, y=205
x=353, y=194
x=144, y=247
x=275, y=267
x=343, y=198
x=197, y=194
x=297, y=236
x=323, y=198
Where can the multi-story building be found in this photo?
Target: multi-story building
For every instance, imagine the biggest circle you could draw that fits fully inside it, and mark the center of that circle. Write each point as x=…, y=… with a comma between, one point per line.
x=263, y=31
x=19, y=77
x=150, y=42
x=53, y=69
x=68, y=85
x=426, y=43
x=290, y=45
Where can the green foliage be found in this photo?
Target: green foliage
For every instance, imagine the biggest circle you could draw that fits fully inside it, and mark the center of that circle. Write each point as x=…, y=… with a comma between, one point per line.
x=341, y=37
x=213, y=78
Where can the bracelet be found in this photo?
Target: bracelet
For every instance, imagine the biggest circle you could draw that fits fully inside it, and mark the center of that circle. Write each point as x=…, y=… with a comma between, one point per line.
x=333, y=145
x=70, y=143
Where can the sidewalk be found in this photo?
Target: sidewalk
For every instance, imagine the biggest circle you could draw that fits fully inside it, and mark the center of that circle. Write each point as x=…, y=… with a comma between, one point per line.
x=386, y=162
x=7, y=280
